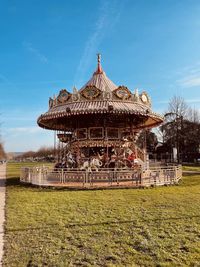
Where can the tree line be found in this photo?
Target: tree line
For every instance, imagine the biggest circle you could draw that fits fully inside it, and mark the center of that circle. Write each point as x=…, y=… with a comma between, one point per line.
x=44, y=153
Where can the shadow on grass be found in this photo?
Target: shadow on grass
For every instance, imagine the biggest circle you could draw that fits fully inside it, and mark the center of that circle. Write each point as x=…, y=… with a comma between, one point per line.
x=10, y=181
x=15, y=181
x=186, y=173
x=189, y=179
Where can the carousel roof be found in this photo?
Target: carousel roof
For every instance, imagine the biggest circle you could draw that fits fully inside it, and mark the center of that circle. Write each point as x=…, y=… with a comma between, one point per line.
x=100, y=80
x=99, y=95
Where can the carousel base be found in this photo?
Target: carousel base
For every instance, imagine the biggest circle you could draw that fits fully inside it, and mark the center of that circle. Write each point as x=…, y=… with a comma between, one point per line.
x=104, y=178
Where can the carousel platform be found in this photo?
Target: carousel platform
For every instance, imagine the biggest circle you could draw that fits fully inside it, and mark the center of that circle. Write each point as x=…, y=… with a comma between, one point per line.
x=104, y=178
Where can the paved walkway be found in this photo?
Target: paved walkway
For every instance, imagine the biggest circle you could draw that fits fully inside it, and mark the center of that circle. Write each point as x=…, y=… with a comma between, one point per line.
x=2, y=207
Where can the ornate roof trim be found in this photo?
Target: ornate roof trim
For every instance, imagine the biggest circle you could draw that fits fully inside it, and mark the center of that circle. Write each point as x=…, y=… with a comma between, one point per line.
x=100, y=107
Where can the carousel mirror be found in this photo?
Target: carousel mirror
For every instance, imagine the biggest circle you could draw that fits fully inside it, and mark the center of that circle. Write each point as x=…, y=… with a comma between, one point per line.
x=96, y=132
x=81, y=133
x=112, y=133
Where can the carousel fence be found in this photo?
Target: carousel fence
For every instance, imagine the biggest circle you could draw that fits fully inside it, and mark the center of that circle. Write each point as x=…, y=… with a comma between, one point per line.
x=45, y=176
x=162, y=176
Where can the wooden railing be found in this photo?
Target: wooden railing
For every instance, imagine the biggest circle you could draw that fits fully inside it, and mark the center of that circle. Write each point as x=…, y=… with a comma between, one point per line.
x=104, y=177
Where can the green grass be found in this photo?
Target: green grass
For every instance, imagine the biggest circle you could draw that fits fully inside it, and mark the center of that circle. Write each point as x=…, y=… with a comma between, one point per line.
x=191, y=168
x=123, y=227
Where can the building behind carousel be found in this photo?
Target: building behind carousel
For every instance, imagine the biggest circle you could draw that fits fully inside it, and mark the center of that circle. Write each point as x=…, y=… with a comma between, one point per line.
x=97, y=129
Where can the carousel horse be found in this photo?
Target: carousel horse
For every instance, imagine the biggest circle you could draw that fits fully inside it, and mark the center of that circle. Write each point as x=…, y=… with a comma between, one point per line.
x=93, y=164
x=104, y=158
x=70, y=161
x=58, y=165
x=124, y=160
x=67, y=161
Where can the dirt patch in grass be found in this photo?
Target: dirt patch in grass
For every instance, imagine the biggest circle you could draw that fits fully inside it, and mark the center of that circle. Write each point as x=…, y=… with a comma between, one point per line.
x=127, y=227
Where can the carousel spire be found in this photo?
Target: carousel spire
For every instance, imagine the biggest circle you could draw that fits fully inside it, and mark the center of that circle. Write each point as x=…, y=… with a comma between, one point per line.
x=99, y=68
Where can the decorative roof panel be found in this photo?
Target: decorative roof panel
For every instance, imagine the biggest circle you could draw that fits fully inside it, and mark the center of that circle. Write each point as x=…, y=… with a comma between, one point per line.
x=101, y=81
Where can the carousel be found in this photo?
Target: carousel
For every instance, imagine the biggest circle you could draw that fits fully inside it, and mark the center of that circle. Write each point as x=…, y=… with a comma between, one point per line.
x=97, y=128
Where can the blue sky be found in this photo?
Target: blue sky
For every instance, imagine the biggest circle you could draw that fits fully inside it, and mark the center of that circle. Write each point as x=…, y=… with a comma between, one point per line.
x=49, y=45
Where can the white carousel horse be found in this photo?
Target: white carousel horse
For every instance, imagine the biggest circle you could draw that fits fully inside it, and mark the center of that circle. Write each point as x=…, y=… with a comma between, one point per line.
x=70, y=160
x=92, y=164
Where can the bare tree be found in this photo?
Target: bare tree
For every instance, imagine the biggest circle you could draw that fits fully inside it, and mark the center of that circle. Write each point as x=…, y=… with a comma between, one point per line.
x=177, y=107
x=193, y=115
x=181, y=129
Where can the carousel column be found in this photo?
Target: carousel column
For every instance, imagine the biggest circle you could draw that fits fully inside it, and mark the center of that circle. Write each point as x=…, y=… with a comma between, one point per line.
x=146, y=156
x=78, y=155
x=133, y=142
x=59, y=150
x=78, y=145
x=64, y=150
x=57, y=147
x=54, y=145
x=106, y=142
x=147, y=161
x=61, y=154
x=136, y=135
x=107, y=152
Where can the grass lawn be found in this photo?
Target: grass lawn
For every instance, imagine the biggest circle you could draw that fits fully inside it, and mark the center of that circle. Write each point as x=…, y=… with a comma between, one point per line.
x=122, y=227
x=191, y=168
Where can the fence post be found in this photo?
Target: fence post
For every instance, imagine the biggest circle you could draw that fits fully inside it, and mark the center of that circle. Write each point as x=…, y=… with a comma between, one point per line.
x=40, y=176
x=174, y=177
x=141, y=177
x=84, y=180
x=62, y=176
x=86, y=176
x=117, y=178
x=180, y=172
x=29, y=175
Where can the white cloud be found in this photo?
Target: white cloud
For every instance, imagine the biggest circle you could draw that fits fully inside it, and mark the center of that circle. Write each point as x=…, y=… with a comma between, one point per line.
x=190, y=101
x=35, y=52
x=162, y=101
x=20, y=118
x=193, y=101
x=109, y=13
x=190, y=81
x=21, y=130
x=34, y=144
x=26, y=138
x=189, y=76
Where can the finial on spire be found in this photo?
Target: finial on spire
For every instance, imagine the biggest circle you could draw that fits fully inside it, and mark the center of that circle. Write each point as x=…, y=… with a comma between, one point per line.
x=99, y=68
x=99, y=57
x=75, y=90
